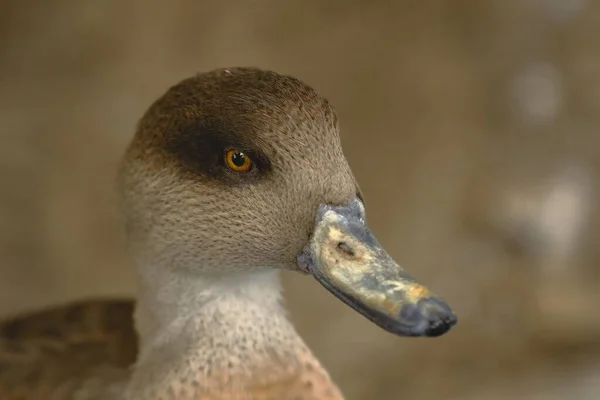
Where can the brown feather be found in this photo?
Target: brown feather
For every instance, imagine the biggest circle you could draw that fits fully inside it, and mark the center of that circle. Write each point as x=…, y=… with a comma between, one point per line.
x=50, y=354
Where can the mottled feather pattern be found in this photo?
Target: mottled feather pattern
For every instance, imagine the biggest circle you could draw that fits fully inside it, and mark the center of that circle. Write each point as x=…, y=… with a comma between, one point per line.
x=83, y=351
x=50, y=354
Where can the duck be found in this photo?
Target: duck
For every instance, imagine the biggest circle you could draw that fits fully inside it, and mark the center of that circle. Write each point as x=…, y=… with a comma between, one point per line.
x=232, y=176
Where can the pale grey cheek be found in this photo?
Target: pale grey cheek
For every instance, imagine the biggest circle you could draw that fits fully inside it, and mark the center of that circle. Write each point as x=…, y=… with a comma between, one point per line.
x=200, y=230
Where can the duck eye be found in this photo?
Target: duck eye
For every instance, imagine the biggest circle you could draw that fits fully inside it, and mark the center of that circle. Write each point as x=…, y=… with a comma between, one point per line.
x=238, y=161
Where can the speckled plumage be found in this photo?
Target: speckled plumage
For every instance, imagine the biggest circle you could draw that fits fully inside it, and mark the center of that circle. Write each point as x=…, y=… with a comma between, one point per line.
x=207, y=244
x=50, y=353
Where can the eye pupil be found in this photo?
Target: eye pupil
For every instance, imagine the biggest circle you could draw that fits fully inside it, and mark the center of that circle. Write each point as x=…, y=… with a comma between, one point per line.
x=238, y=159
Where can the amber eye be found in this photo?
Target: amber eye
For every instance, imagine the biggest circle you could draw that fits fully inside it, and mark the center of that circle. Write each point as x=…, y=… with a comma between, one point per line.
x=238, y=161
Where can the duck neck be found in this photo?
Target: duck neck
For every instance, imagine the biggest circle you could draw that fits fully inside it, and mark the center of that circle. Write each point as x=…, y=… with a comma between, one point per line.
x=170, y=300
x=224, y=325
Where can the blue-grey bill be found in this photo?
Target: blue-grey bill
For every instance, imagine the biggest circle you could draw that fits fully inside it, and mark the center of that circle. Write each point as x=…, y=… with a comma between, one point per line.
x=344, y=256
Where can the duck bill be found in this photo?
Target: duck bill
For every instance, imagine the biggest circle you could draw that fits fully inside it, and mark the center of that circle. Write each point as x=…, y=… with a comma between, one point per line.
x=344, y=256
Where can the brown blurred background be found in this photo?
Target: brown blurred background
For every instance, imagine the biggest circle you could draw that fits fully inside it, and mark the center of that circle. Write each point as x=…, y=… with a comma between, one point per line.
x=472, y=127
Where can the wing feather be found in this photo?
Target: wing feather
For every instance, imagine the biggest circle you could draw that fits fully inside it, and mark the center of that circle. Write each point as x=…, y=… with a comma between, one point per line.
x=50, y=354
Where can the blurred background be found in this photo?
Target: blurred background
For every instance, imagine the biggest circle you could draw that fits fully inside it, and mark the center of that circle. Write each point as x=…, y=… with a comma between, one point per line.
x=472, y=127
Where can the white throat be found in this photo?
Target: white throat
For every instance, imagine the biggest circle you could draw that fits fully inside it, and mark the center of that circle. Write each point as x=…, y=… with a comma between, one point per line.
x=216, y=330
x=195, y=326
x=173, y=304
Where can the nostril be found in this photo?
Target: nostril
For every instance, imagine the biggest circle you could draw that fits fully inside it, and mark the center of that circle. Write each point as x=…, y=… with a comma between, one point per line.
x=345, y=248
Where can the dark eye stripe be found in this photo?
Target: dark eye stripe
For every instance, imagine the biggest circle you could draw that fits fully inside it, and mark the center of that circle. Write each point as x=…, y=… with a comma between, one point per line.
x=200, y=147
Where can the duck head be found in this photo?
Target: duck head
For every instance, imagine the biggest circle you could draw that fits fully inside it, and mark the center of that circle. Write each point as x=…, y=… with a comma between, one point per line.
x=240, y=169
